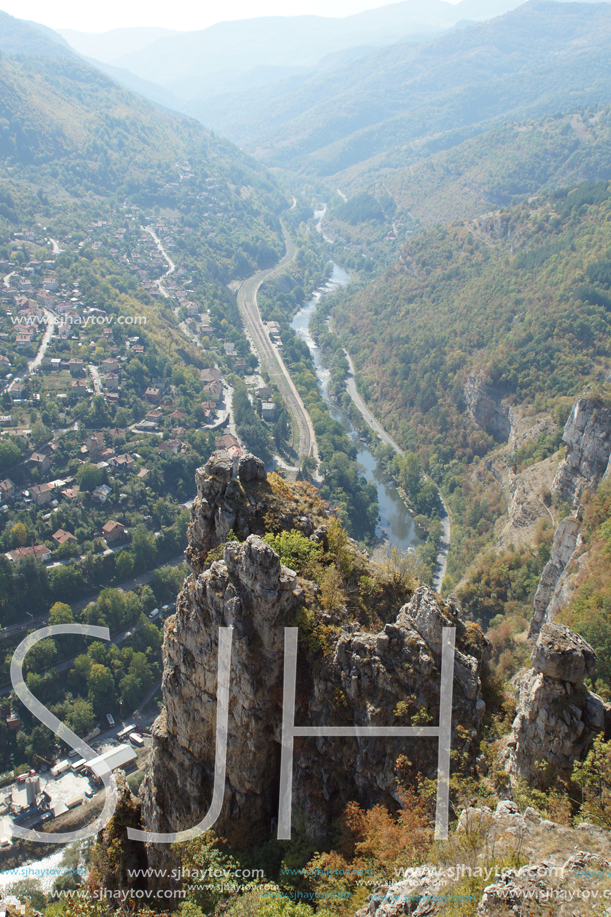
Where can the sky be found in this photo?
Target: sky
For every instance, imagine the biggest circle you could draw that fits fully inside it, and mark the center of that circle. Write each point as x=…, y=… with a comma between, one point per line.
x=87, y=16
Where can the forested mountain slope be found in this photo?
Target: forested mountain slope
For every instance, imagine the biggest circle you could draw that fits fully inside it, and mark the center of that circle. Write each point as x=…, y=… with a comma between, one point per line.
x=541, y=58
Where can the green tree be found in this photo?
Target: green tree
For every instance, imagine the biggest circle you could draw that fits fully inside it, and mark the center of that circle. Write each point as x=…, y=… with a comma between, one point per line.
x=89, y=476
x=124, y=565
x=61, y=614
x=102, y=695
x=144, y=548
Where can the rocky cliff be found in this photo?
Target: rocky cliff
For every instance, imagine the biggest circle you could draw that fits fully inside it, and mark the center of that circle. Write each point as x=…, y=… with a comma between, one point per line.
x=587, y=435
x=557, y=717
x=487, y=408
x=380, y=673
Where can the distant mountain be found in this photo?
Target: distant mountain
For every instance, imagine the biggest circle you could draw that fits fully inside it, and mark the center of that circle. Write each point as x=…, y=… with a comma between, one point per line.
x=192, y=65
x=17, y=36
x=540, y=58
x=109, y=46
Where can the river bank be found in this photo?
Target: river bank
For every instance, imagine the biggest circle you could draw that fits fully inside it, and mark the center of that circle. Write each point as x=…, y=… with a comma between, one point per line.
x=395, y=525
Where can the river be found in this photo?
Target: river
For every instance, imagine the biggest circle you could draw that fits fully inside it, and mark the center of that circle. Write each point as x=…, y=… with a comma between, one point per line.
x=395, y=522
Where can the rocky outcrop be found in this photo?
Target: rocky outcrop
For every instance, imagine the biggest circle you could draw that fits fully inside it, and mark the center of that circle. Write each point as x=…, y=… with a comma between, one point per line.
x=557, y=717
x=346, y=676
x=117, y=862
x=486, y=406
x=564, y=865
x=227, y=501
x=566, y=539
x=587, y=434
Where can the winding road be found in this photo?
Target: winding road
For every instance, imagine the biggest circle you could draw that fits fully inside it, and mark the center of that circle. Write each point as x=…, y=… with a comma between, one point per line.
x=33, y=364
x=441, y=563
x=269, y=356
x=172, y=266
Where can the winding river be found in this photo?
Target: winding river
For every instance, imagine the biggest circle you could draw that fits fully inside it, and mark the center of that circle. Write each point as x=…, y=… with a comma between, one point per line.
x=395, y=523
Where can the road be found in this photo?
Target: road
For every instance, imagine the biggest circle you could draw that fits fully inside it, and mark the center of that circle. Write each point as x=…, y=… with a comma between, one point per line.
x=33, y=364
x=269, y=356
x=95, y=375
x=172, y=266
x=441, y=563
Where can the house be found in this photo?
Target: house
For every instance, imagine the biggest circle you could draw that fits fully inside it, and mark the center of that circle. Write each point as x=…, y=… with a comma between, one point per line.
x=95, y=444
x=229, y=349
x=37, y=551
x=112, y=397
x=22, y=340
x=113, y=531
x=69, y=493
x=228, y=441
x=210, y=375
x=192, y=310
x=110, y=365
x=102, y=493
x=208, y=406
x=79, y=388
x=142, y=473
x=76, y=367
x=213, y=391
x=40, y=461
x=154, y=415
x=123, y=462
x=111, y=382
x=173, y=446
x=61, y=537
x=7, y=489
x=176, y=415
x=268, y=411
x=264, y=394
x=152, y=394
x=41, y=494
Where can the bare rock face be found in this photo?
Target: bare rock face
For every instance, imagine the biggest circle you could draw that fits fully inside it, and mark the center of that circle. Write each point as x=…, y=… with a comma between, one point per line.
x=346, y=676
x=587, y=434
x=212, y=516
x=485, y=404
x=557, y=717
x=251, y=468
x=383, y=679
x=566, y=538
x=251, y=592
x=561, y=654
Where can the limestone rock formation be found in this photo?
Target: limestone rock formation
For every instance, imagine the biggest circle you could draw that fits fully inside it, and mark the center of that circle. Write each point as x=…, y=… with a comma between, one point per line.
x=557, y=717
x=346, y=675
x=587, y=434
x=566, y=538
x=486, y=406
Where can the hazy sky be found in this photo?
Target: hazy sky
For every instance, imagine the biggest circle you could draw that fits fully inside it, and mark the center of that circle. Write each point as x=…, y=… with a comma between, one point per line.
x=88, y=16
